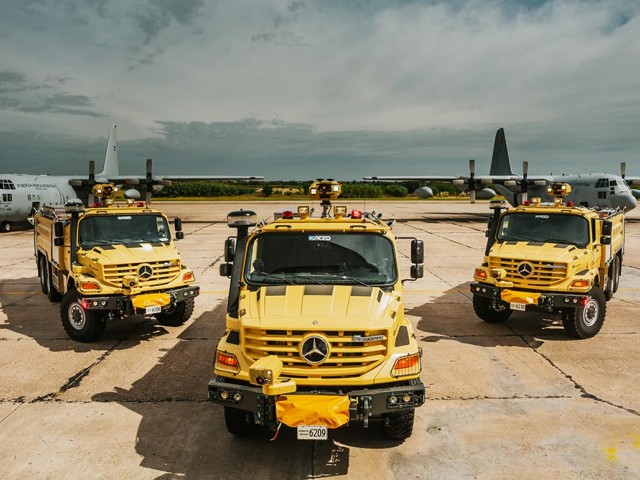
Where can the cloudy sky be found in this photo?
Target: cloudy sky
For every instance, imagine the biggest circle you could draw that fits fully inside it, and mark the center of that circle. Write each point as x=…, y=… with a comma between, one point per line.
x=300, y=89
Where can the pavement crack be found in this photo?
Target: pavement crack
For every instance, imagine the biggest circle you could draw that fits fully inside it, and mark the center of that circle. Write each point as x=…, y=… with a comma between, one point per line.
x=583, y=391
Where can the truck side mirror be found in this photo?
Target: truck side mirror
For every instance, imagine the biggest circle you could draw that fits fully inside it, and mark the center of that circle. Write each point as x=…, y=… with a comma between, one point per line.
x=58, y=229
x=177, y=223
x=229, y=249
x=225, y=269
x=607, y=227
x=417, y=252
x=58, y=242
x=605, y=240
x=417, y=271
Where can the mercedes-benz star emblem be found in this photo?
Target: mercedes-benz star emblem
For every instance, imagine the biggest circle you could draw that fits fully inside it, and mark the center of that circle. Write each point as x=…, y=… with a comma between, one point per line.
x=525, y=269
x=145, y=272
x=314, y=349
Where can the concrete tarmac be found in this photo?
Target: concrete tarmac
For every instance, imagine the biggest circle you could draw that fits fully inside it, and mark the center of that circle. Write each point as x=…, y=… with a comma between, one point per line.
x=519, y=400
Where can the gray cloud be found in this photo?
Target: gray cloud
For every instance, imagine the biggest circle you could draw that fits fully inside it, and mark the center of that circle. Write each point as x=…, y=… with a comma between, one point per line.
x=20, y=95
x=157, y=15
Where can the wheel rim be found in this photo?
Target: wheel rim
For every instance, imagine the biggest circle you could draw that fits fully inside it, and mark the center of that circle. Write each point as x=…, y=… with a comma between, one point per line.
x=77, y=316
x=590, y=313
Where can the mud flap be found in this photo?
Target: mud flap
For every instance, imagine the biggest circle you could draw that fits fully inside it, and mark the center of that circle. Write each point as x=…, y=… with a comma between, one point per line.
x=330, y=411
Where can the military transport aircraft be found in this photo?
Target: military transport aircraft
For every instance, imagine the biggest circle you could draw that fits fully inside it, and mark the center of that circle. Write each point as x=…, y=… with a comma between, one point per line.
x=22, y=194
x=590, y=189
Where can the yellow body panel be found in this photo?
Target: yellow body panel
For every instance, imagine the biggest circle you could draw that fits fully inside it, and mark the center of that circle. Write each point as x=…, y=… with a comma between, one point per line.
x=331, y=411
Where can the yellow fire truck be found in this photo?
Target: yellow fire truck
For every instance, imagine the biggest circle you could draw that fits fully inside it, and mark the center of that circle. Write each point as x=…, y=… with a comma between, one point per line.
x=552, y=258
x=316, y=335
x=111, y=260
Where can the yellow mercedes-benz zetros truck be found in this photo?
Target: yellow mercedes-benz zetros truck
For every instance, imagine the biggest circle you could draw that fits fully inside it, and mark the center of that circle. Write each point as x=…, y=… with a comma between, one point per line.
x=556, y=258
x=110, y=261
x=316, y=336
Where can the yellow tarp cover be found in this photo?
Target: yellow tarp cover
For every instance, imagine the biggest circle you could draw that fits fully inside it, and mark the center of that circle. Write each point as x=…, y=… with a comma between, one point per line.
x=326, y=410
x=151, y=300
x=519, y=297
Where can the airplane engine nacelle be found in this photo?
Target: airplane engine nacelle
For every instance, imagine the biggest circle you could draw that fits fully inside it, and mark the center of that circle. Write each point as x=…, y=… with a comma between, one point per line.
x=423, y=192
x=635, y=193
x=485, y=194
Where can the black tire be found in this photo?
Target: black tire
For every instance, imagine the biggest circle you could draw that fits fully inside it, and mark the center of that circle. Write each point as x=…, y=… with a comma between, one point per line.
x=43, y=273
x=399, y=425
x=586, y=322
x=52, y=292
x=613, y=277
x=239, y=422
x=177, y=315
x=484, y=310
x=618, y=271
x=81, y=325
x=5, y=227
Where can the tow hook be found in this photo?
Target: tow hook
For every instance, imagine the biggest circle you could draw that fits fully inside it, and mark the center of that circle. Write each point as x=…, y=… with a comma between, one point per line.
x=366, y=410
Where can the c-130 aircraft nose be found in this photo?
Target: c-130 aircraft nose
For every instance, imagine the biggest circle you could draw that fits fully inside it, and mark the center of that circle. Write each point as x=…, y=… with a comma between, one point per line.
x=625, y=201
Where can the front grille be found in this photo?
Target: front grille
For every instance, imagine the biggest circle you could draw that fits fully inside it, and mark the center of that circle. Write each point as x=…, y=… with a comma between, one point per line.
x=346, y=358
x=162, y=273
x=542, y=273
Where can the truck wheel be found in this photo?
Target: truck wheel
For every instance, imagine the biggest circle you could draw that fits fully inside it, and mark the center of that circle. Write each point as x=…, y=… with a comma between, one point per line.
x=613, y=278
x=81, y=325
x=399, y=425
x=43, y=273
x=618, y=271
x=177, y=315
x=238, y=422
x=585, y=322
x=52, y=292
x=484, y=310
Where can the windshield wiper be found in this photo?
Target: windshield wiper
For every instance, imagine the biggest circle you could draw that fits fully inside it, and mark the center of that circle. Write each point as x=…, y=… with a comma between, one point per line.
x=271, y=276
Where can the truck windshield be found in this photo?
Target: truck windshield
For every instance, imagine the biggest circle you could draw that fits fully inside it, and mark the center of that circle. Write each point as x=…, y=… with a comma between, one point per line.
x=125, y=229
x=547, y=228
x=324, y=258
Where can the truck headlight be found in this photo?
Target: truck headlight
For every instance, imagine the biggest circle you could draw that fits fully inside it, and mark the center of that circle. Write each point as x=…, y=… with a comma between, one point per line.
x=407, y=365
x=226, y=362
x=480, y=273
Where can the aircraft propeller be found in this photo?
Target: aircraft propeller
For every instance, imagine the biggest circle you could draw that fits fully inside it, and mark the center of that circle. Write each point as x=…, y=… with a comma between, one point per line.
x=471, y=182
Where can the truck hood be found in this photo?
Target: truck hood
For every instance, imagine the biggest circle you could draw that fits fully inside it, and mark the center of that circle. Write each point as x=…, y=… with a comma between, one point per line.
x=542, y=252
x=130, y=254
x=320, y=307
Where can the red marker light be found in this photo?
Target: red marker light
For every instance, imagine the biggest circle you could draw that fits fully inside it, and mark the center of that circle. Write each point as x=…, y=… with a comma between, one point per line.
x=526, y=202
x=287, y=215
x=140, y=204
x=356, y=214
x=569, y=203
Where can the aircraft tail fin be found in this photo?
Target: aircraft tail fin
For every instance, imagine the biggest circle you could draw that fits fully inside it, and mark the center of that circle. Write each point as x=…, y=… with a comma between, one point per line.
x=500, y=164
x=111, y=166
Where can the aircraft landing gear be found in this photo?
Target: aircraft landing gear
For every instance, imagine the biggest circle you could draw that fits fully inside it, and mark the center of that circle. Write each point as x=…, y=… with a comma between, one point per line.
x=5, y=227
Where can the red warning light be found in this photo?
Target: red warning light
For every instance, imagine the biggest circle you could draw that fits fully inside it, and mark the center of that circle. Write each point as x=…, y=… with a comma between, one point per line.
x=356, y=214
x=287, y=215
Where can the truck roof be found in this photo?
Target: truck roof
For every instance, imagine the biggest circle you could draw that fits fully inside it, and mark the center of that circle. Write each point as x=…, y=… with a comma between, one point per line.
x=311, y=224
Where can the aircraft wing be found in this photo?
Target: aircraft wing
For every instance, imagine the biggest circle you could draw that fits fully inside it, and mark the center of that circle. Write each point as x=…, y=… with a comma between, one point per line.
x=632, y=181
x=464, y=179
x=180, y=178
x=423, y=178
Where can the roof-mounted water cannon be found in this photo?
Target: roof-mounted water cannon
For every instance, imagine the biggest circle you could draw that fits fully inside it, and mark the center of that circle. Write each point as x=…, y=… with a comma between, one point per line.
x=104, y=192
x=558, y=191
x=325, y=191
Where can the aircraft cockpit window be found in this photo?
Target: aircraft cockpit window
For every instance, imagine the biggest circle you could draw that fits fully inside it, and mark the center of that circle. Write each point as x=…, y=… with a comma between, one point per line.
x=602, y=183
x=7, y=185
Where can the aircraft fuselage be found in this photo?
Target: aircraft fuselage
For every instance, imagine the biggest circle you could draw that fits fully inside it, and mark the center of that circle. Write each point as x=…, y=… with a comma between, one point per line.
x=21, y=194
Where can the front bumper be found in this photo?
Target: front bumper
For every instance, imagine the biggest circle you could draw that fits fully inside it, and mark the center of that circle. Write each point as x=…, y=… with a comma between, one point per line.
x=122, y=303
x=547, y=301
x=365, y=403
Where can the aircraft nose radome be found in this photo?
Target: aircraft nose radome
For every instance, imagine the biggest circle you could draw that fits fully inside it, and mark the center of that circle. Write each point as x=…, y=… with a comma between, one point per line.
x=627, y=202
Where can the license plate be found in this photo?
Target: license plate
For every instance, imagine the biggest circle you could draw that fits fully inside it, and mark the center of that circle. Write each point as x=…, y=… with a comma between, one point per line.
x=518, y=306
x=152, y=310
x=312, y=432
